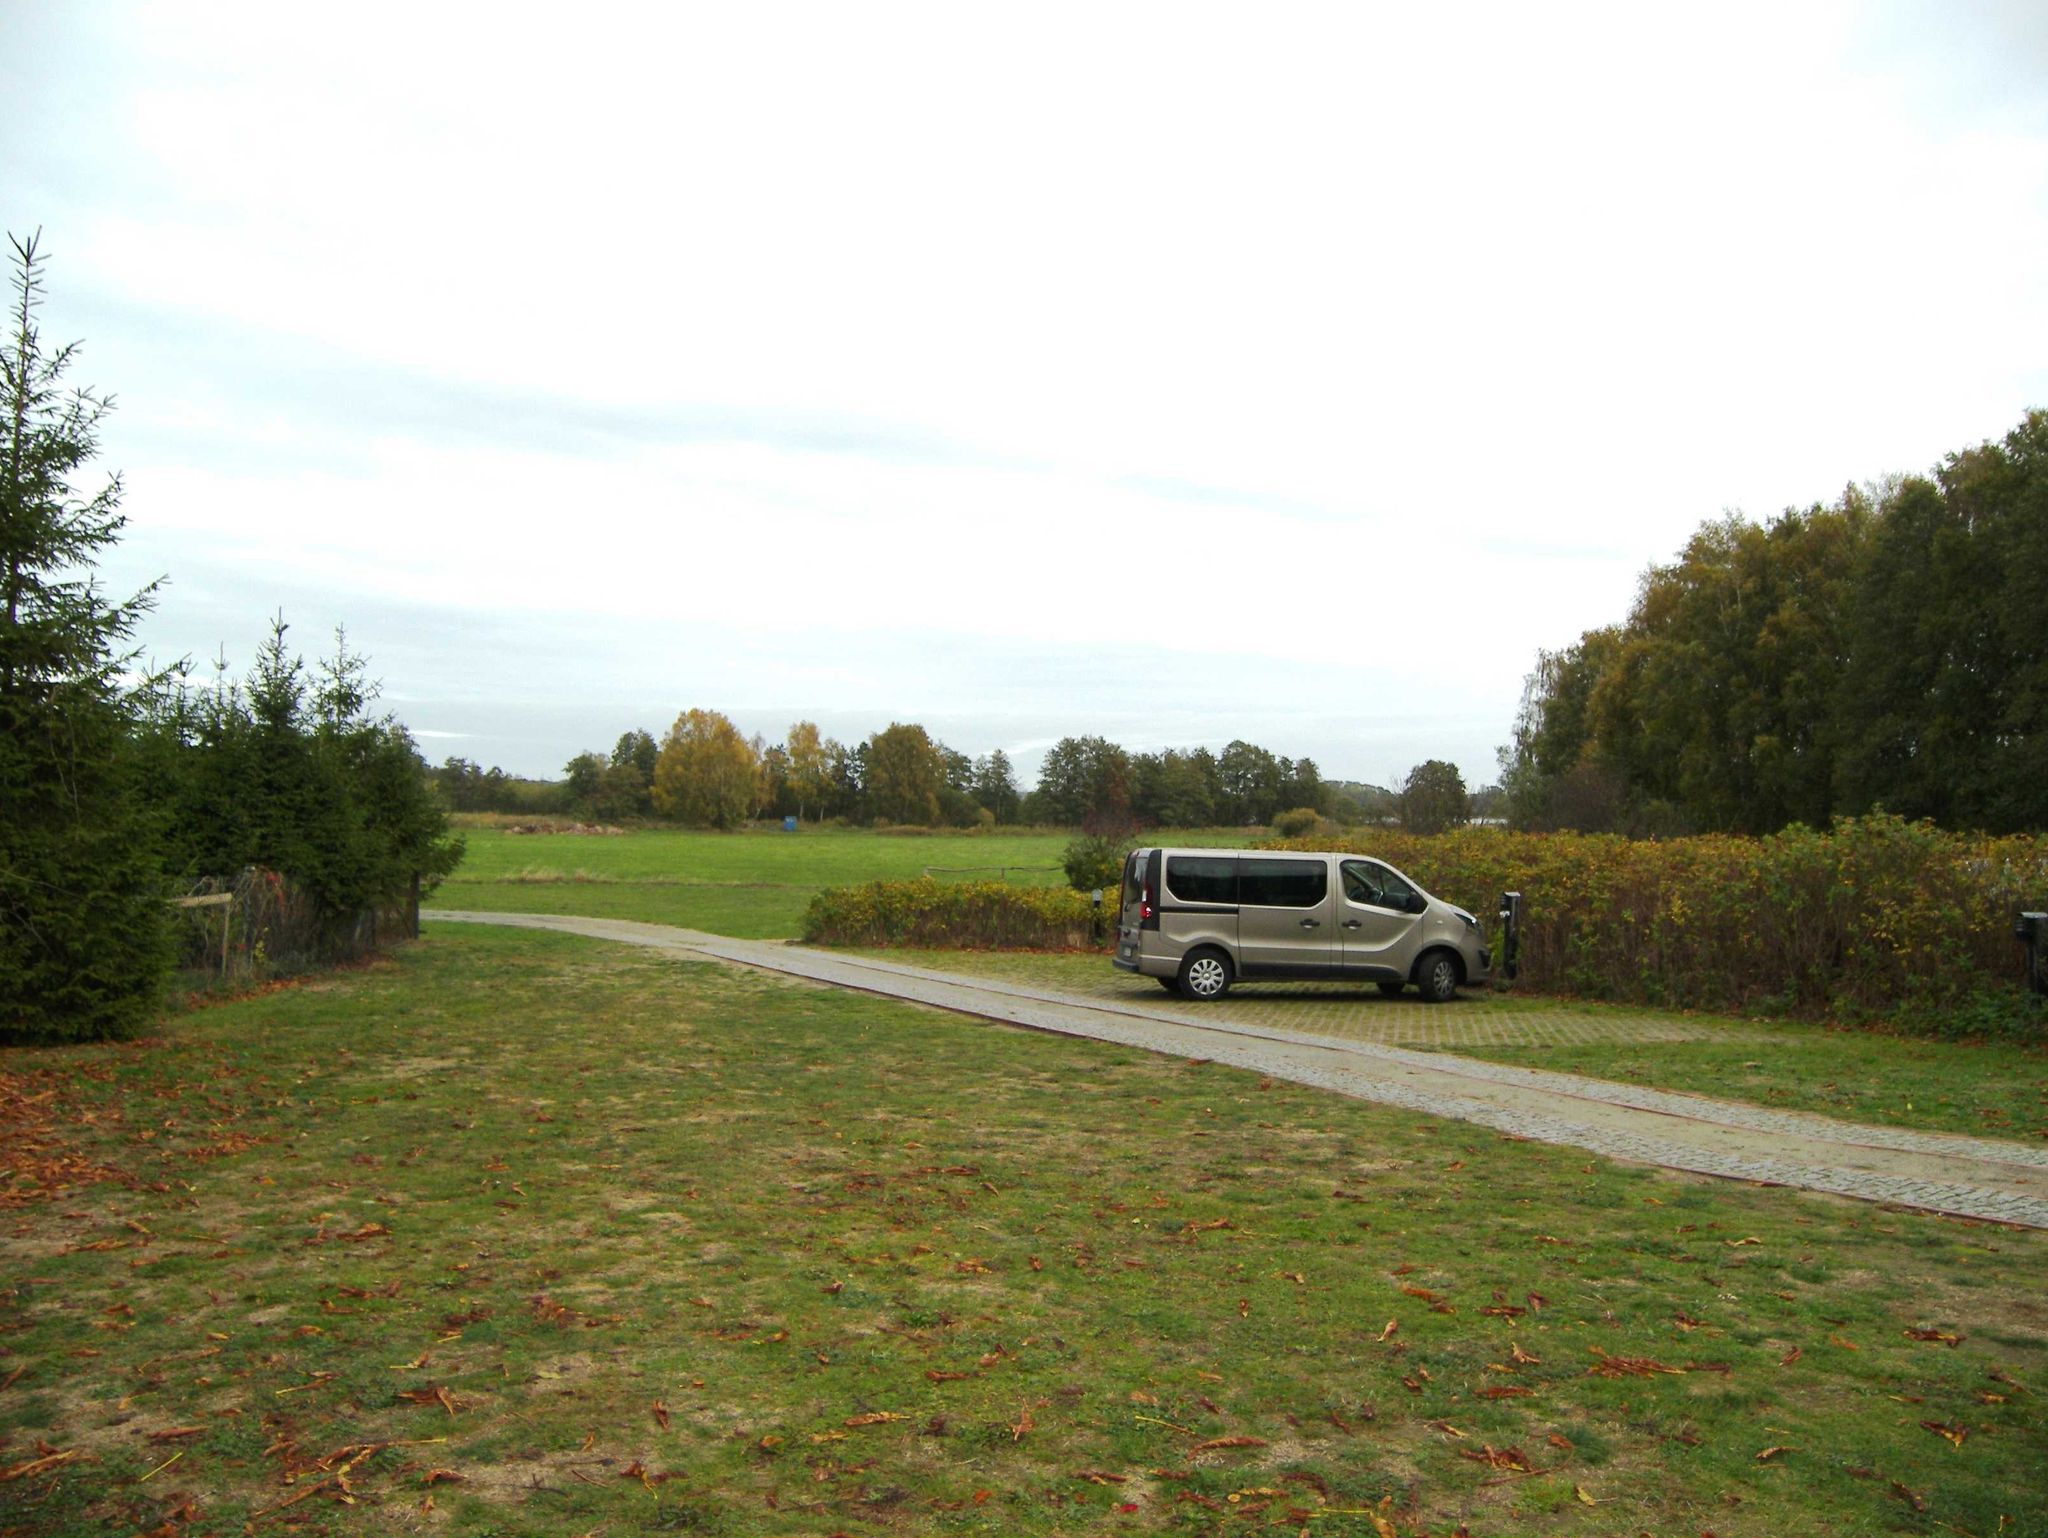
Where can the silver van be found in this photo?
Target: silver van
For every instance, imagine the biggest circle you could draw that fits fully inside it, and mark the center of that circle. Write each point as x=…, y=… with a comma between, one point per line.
x=1202, y=919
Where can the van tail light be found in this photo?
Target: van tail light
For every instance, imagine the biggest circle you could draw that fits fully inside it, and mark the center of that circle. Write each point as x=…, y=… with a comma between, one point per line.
x=1144, y=903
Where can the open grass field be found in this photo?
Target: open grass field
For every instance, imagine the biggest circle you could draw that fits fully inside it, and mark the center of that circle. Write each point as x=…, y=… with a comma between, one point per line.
x=515, y=1233
x=754, y=885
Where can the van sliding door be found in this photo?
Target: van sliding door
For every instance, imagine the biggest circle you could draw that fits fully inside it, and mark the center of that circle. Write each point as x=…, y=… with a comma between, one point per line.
x=1284, y=926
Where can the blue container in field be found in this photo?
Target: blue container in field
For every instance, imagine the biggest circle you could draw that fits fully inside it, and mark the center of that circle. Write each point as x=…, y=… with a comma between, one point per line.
x=789, y=825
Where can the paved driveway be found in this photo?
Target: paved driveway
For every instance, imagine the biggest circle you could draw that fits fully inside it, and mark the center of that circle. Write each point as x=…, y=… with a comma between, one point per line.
x=1971, y=1177
x=1350, y=1013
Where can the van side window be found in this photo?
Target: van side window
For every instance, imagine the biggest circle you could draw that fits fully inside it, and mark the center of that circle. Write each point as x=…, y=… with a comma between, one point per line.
x=1367, y=881
x=1362, y=882
x=1398, y=891
x=1282, y=883
x=1192, y=879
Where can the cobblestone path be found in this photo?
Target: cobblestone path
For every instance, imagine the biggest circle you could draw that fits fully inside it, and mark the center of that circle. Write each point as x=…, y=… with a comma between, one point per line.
x=1970, y=1177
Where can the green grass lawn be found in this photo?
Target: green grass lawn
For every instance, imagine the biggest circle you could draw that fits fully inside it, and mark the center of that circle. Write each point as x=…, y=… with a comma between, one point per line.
x=754, y=885
x=516, y=1233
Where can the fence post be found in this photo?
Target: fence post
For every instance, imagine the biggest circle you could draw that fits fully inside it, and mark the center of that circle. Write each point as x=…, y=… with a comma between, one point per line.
x=412, y=910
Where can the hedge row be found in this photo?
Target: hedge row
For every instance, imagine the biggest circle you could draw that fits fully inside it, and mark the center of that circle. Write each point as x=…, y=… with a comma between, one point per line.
x=1875, y=919
x=982, y=914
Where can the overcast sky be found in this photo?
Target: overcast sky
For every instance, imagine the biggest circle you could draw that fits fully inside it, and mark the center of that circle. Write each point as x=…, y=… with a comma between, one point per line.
x=1174, y=373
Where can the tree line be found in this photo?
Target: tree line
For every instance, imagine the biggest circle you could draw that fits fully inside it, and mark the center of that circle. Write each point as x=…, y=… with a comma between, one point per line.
x=115, y=790
x=704, y=771
x=1888, y=650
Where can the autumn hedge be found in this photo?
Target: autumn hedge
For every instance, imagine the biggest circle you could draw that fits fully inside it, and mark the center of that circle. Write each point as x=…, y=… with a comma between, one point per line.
x=980, y=915
x=1874, y=919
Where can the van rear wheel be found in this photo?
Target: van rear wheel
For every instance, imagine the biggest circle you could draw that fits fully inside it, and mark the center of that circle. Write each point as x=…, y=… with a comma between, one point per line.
x=1204, y=975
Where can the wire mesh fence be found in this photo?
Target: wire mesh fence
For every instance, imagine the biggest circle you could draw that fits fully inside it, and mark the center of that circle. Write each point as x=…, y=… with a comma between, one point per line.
x=260, y=924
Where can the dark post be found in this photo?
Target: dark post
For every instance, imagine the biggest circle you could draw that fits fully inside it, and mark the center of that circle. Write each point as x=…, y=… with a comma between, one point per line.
x=1510, y=933
x=412, y=909
x=2028, y=930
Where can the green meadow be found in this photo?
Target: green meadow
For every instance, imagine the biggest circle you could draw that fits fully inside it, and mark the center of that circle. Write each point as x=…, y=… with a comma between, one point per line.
x=754, y=885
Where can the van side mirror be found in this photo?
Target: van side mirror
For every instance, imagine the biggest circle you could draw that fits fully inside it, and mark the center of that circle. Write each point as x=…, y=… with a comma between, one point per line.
x=1417, y=903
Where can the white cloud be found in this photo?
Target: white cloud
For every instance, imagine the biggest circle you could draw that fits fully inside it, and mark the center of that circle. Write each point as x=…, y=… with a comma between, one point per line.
x=1031, y=329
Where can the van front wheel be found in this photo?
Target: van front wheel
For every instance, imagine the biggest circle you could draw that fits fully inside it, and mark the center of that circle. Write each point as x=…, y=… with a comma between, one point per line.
x=1437, y=977
x=1204, y=976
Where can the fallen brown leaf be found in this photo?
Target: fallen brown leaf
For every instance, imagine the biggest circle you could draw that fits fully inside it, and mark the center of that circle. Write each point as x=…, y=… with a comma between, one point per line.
x=1627, y=1366
x=49, y=1459
x=1512, y=1458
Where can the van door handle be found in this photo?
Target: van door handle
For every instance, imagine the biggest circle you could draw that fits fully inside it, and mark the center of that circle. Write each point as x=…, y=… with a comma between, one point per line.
x=1311, y=923
x=1353, y=924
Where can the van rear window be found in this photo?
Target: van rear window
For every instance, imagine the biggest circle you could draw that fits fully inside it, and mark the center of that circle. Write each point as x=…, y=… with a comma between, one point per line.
x=1199, y=879
x=1282, y=883
x=1134, y=881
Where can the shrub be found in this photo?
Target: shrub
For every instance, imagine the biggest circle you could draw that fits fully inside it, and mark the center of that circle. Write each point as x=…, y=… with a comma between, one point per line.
x=1297, y=822
x=979, y=915
x=1876, y=919
x=1096, y=860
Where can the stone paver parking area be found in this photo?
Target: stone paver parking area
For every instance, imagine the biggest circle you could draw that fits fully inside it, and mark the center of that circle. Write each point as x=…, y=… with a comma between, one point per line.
x=1972, y=1177
x=1350, y=1013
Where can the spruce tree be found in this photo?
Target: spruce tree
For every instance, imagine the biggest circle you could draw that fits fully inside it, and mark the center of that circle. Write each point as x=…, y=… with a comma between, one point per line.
x=83, y=926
